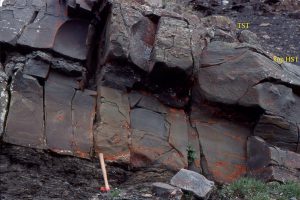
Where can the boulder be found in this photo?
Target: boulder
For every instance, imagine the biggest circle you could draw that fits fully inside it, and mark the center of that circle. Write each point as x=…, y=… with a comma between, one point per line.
x=228, y=73
x=193, y=182
x=248, y=37
x=166, y=191
x=172, y=48
x=141, y=42
x=277, y=99
x=121, y=19
x=271, y=163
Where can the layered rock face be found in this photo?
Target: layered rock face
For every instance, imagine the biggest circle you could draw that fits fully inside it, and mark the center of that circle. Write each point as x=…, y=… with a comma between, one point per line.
x=146, y=83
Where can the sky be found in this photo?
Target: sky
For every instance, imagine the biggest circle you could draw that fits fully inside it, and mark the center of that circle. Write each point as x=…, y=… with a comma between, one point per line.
x=1, y=1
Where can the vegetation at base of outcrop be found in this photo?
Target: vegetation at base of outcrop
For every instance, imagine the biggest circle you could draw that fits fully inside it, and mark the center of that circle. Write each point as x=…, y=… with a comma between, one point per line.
x=114, y=193
x=252, y=189
x=191, y=154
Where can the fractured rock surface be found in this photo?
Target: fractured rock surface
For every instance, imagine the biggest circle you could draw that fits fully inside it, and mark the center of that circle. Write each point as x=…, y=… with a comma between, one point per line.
x=25, y=121
x=272, y=163
x=223, y=143
x=149, y=84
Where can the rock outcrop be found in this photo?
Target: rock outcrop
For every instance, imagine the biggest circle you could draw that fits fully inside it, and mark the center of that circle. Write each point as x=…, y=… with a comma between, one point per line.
x=147, y=83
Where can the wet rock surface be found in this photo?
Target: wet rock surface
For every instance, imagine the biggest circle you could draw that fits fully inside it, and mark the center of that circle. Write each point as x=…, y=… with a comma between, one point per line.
x=151, y=85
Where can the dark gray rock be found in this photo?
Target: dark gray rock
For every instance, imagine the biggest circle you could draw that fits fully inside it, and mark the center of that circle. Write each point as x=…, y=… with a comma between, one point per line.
x=111, y=135
x=117, y=43
x=193, y=182
x=12, y=22
x=224, y=161
x=138, y=100
x=274, y=98
x=39, y=34
x=118, y=76
x=141, y=43
x=58, y=114
x=248, y=37
x=72, y=43
x=166, y=191
x=278, y=131
x=271, y=163
x=172, y=48
x=37, y=68
x=149, y=121
x=83, y=114
x=25, y=121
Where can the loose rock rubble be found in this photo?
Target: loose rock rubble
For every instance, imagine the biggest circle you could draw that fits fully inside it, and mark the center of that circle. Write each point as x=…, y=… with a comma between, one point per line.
x=141, y=81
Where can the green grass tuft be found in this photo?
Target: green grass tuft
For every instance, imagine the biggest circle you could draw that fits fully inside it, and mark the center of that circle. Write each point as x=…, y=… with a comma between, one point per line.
x=252, y=189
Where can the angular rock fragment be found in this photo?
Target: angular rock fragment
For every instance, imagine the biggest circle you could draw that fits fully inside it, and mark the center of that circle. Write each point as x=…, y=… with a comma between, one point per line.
x=37, y=68
x=271, y=163
x=173, y=46
x=248, y=37
x=118, y=77
x=141, y=43
x=121, y=19
x=71, y=68
x=111, y=136
x=193, y=182
x=166, y=191
x=83, y=4
x=25, y=121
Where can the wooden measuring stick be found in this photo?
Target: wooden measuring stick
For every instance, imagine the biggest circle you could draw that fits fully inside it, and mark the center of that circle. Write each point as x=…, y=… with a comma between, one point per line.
x=104, y=171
